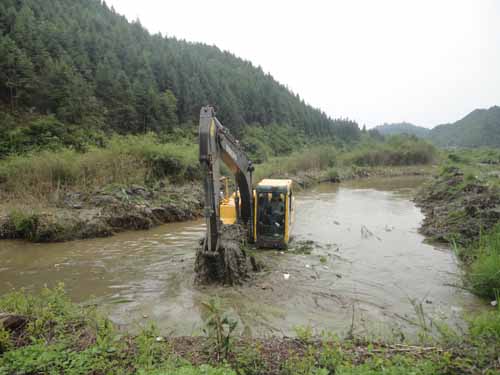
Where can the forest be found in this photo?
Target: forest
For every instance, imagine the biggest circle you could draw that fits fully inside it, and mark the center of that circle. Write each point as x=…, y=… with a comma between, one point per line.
x=72, y=72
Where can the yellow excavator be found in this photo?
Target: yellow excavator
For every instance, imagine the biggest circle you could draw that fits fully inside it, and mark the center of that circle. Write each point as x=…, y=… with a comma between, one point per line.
x=266, y=212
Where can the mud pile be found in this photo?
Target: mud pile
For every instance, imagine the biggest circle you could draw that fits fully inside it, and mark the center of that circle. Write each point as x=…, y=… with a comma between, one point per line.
x=230, y=264
x=457, y=208
x=79, y=215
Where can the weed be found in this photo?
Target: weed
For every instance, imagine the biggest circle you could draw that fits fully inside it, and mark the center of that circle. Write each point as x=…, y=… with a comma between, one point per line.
x=219, y=328
x=484, y=271
x=304, y=333
x=150, y=351
x=249, y=361
x=25, y=224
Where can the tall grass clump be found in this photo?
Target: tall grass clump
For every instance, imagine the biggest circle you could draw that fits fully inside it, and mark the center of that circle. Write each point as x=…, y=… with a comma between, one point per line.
x=484, y=271
x=396, y=151
x=124, y=160
x=316, y=158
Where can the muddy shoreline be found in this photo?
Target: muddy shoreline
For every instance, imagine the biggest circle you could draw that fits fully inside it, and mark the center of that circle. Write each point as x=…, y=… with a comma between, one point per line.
x=79, y=215
x=457, y=208
x=102, y=213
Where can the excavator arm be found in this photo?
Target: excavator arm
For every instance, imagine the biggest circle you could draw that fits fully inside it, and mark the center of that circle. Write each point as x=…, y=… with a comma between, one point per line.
x=216, y=144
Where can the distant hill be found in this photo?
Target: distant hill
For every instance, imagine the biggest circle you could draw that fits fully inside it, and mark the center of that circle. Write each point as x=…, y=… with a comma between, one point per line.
x=403, y=128
x=481, y=127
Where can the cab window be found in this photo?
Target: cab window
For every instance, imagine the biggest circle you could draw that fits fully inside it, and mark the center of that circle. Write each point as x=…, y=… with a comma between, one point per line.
x=271, y=214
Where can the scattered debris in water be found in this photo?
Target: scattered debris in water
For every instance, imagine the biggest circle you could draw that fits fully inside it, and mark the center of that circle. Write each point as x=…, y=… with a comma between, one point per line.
x=366, y=233
x=302, y=247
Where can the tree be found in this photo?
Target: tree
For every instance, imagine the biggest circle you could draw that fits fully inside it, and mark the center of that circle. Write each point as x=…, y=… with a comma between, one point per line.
x=16, y=71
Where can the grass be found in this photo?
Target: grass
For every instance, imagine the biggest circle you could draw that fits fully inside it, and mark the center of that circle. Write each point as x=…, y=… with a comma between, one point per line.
x=396, y=151
x=332, y=160
x=484, y=269
x=124, y=160
x=62, y=337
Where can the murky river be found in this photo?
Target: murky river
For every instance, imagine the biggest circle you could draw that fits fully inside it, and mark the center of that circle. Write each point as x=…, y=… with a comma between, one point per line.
x=367, y=264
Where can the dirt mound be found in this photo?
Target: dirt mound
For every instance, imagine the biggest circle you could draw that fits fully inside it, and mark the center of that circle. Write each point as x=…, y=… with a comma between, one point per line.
x=78, y=215
x=458, y=208
x=230, y=264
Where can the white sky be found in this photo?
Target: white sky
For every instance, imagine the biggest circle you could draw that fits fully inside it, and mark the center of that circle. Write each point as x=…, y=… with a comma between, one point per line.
x=423, y=61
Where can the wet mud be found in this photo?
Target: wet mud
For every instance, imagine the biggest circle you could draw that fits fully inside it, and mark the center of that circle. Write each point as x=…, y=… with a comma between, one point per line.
x=230, y=264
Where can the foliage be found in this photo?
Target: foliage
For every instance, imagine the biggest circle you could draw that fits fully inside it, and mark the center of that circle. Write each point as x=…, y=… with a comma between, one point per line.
x=219, y=328
x=124, y=160
x=480, y=128
x=402, y=128
x=62, y=337
x=311, y=158
x=249, y=361
x=26, y=224
x=264, y=142
x=47, y=133
x=396, y=151
x=89, y=68
x=484, y=272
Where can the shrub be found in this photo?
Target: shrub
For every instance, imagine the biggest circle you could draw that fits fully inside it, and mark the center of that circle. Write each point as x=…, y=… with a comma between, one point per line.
x=396, y=151
x=484, y=272
x=486, y=325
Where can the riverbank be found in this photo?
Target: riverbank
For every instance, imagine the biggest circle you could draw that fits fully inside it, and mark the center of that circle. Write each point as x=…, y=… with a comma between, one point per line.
x=75, y=215
x=462, y=208
x=101, y=213
x=49, y=334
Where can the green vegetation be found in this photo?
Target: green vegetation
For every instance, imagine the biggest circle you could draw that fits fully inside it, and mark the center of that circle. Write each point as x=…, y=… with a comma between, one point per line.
x=479, y=128
x=71, y=71
x=484, y=269
x=333, y=162
x=461, y=207
x=55, y=336
x=124, y=160
x=396, y=151
x=402, y=128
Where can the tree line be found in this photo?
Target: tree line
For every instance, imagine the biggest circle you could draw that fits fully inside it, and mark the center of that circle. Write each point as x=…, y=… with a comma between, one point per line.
x=86, y=65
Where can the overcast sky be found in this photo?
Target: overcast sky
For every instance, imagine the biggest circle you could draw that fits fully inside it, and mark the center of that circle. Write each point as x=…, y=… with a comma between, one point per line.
x=424, y=61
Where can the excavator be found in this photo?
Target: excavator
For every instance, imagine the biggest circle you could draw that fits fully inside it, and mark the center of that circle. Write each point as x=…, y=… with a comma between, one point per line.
x=266, y=212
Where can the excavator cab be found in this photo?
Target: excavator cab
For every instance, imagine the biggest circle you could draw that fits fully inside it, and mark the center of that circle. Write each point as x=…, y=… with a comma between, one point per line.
x=273, y=216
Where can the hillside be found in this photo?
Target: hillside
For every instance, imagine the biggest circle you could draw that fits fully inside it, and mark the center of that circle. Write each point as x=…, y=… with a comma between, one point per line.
x=71, y=66
x=402, y=128
x=481, y=127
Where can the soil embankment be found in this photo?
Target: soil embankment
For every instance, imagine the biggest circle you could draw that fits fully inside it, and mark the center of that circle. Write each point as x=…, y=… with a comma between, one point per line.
x=310, y=178
x=79, y=215
x=458, y=208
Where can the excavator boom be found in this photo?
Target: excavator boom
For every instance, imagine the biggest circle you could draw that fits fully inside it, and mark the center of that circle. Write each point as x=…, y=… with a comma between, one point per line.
x=216, y=144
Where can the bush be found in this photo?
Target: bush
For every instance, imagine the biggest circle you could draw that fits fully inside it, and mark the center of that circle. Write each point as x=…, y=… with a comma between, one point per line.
x=484, y=272
x=486, y=325
x=396, y=151
x=46, y=133
x=25, y=224
x=264, y=142
x=309, y=159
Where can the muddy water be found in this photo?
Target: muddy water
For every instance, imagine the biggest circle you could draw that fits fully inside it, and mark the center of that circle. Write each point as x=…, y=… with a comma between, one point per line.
x=367, y=264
